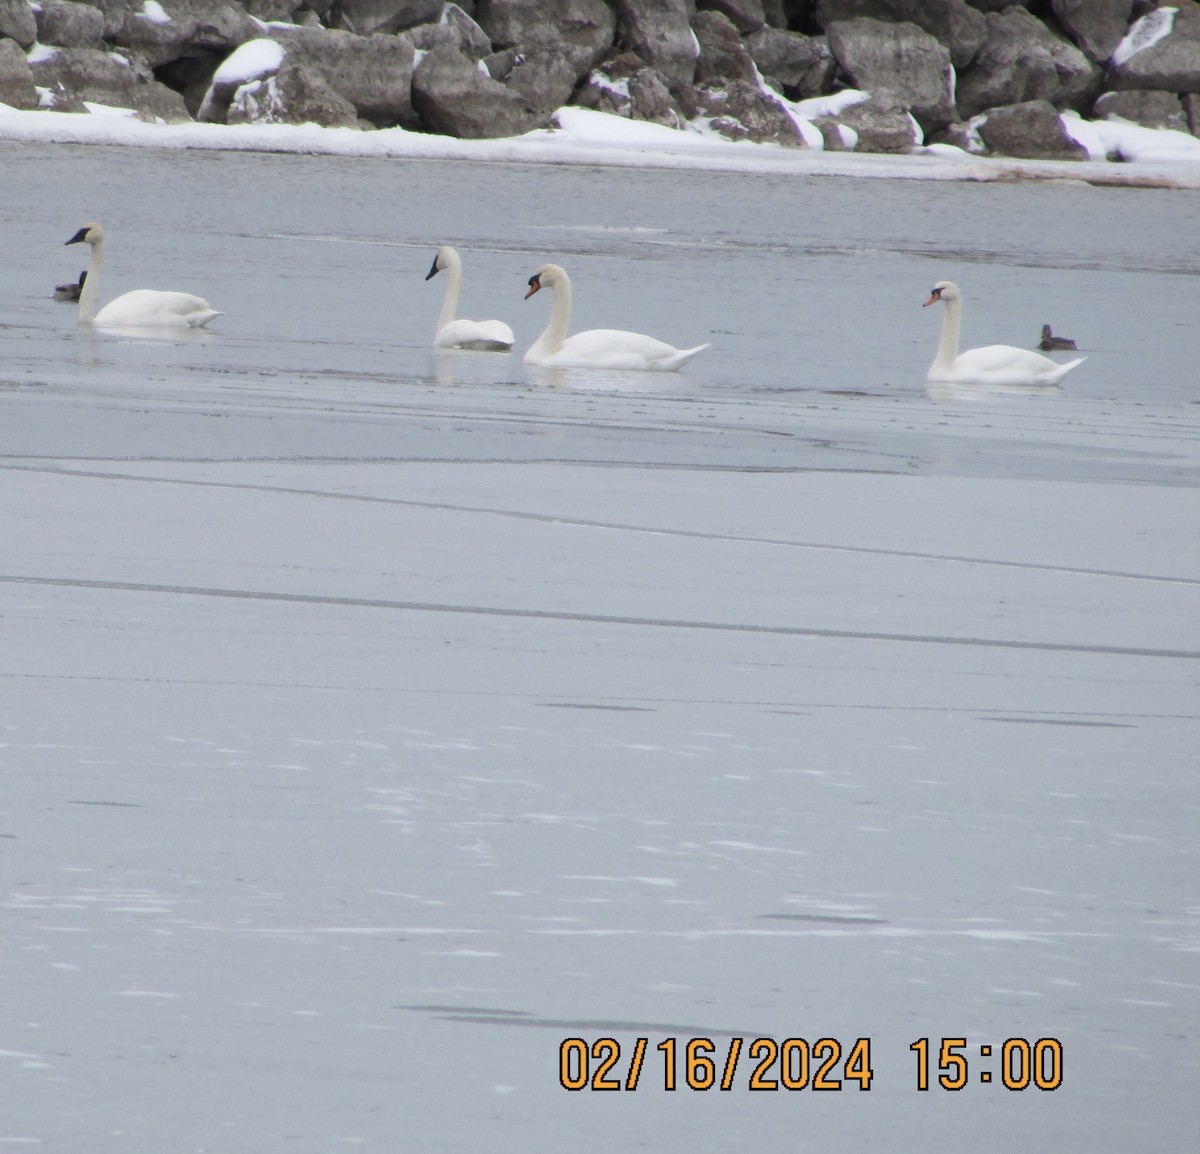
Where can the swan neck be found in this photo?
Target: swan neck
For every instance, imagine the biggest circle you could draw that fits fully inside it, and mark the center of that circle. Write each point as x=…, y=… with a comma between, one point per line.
x=947, y=352
x=555, y=333
x=450, y=300
x=87, y=295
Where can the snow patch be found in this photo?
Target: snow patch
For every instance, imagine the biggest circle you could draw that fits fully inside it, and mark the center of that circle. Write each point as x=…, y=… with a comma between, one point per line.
x=39, y=53
x=1144, y=33
x=154, y=12
x=252, y=61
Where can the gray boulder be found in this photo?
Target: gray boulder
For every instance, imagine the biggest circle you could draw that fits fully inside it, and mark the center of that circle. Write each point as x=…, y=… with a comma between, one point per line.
x=1022, y=60
x=543, y=81
x=366, y=16
x=294, y=95
x=455, y=28
x=16, y=77
x=1172, y=62
x=453, y=97
x=1143, y=106
x=722, y=59
x=585, y=25
x=374, y=73
x=1191, y=108
x=960, y=135
x=745, y=15
x=214, y=27
x=1097, y=26
x=114, y=13
x=17, y=22
x=69, y=25
x=901, y=58
x=473, y=42
x=1033, y=130
x=74, y=75
x=801, y=66
x=267, y=10
x=627, y=86
x=661, y=34
x=881, y=123
x=951, y=22
x=741, y=111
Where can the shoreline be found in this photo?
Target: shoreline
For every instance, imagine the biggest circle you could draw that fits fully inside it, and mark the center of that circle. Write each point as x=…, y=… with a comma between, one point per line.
x=587, y=138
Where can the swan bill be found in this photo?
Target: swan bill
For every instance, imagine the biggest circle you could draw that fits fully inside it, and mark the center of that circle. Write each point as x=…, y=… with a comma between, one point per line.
x=433, y=271
x=535, y=283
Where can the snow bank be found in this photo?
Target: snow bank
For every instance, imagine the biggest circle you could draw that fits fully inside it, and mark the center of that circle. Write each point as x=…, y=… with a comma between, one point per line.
x=584, y=136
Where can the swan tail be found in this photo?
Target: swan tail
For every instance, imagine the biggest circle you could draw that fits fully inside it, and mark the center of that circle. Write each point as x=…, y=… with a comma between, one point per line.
x=681, y=357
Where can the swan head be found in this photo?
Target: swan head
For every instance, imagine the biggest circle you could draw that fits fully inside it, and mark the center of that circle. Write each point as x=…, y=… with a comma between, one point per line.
x=547, y=276
x=944, y=290
x=91, y=233
x=446, y=257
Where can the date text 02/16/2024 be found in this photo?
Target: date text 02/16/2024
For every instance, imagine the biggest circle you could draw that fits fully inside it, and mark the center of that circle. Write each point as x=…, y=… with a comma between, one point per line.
x=795, y=1065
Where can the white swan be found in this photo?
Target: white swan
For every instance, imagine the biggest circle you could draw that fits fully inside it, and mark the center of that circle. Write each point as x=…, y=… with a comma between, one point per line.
x=992, y=364
x=596, y=348
x=484, y=336
x=142, y=307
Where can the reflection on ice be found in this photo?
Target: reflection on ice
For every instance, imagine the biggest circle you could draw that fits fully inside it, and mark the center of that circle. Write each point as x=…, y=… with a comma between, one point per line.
x=159, y=333
x=595, y=380
x=946, y=391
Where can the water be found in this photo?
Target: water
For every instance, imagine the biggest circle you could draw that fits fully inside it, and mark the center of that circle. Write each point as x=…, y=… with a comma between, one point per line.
x=375, y=720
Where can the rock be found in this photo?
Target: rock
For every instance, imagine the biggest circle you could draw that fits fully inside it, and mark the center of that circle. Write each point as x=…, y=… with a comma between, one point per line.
x=745, y=15
x=881, y=123
x=1143, y=106
x=267, y=10
x=115, y=13
x=741, y=111
x=1191, y=108
x=627, y=86
x=17, y=22
x=585, y=25
x=1022, y=60
x=194, y=26
x=901, y=58
x=776, y=12
x=367, y=16
x=722, y=58
x=16, y=77
x=801, y=65
x=960, y=135
x=500, y=64
x=1032, y=129
x=661, y=35
x=1162, y=50
x=77, y=74
x=1096, y=26
x=544, y=81
x=455, y=28
x=953, y=23
x=69, y=25
x=294, y=95
x=473, y=41
x=453, y=97
x=373, y=72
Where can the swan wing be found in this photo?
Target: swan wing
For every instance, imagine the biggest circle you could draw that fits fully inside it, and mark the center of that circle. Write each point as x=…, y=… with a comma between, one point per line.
x=488, y=336
x=153, y=307
x=616, y=349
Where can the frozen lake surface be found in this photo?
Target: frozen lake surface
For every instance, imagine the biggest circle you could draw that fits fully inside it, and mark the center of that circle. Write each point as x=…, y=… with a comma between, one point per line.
x=374, y=720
